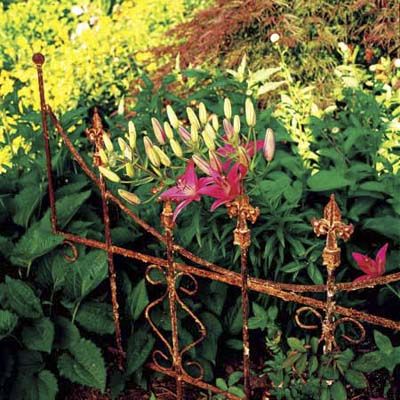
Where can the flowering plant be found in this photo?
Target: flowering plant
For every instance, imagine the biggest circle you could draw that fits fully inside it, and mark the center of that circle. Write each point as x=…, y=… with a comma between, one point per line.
x=225, y=153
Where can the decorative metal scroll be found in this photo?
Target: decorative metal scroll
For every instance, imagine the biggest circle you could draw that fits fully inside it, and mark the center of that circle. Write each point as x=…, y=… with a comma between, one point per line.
x=171, y=359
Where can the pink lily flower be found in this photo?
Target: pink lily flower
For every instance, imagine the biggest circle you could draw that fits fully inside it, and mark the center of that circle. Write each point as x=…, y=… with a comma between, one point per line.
x=371, y=268
x=188, y=189
x=226, y=188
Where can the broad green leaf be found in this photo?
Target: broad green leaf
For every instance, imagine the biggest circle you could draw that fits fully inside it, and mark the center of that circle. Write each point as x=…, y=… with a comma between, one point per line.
x=383, y=342
x=387, y=226
x=356, y=379
x=8, y=321
x=260, y=319
x=338, y=391
x=84, y=364
x=315, y=274
x=22, y=299
x=140, y=345
x=327, y=180
x=296, y=344
x=368, y=362
x=236, y=391
x=66, y=333
x=96, y=317
x=234, y=377
x=138, y=299
x=220, y=383
x=39, y=336
x=42, y=386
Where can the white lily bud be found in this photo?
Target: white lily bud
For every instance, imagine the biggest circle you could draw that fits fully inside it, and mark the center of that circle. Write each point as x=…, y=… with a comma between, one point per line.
x=122, y=144
x=131, y=135
x=209, y=129
x=269, y=144
x=129, y=197
x=158, y=131
x=236, y=124
x=209, y=139
x=244, y=158
x=227, y=108
x=129, y=170
x=214, y=122
x=150, y=152
x=194, y=134
x=250, y=113
x=168, y=130
x=176, y=147
x=110, y=175
x=202, y=113
x=202, y=164
x=194, y=121
x=162, y=156
x=108, y=143
x=173, y=119
x=103, y=157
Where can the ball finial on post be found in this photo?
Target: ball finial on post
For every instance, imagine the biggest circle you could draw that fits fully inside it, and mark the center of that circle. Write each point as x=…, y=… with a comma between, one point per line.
x=38, y=59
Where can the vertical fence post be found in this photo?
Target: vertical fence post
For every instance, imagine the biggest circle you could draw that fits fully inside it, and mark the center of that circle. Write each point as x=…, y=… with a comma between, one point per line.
x=168, y=224
x=38, y=59
x=95, y=135
x=243, y=211
x=332, y=226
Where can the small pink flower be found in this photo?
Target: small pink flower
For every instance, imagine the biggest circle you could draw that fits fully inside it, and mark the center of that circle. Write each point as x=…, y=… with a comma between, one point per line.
x=371, y=268
x=188, y=189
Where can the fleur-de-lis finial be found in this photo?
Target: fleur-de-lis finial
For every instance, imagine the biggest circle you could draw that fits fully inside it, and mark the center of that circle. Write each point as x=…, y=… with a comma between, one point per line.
x=332, y=226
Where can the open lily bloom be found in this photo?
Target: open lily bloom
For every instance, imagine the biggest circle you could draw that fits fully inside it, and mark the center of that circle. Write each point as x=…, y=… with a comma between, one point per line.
x=188, y=188
x=371, y=268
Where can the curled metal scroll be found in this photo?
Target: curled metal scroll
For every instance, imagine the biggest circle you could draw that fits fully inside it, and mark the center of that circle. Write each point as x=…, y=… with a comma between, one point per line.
x=75, y=254
x=301, y=311
x=349, y=339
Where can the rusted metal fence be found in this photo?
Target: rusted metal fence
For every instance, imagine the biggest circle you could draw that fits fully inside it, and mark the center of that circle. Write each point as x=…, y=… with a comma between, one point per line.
x=170, y=352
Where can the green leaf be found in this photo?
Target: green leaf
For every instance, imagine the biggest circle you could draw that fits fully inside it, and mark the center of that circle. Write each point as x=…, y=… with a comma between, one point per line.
x=236, y=391
x=315, y=274
x=383, y=342
x=220, y=383
x=42, y=386
x=387, y=226
x=85, y=274
x=260, y=319
x=22, y=299
x=368, y=362
x=66, y=333
x=327, y=180
x=296, y=344
x=138, y=300
x=356, y=379
x=8, y=321
x=209, y=346
x=39, y=336
x=84, y=364
x=234, y=377
x=338, y=391
x=140, y=345
x=96, y=317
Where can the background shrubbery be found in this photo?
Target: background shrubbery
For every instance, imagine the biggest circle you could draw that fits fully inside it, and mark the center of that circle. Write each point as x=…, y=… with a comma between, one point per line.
x=337, y=130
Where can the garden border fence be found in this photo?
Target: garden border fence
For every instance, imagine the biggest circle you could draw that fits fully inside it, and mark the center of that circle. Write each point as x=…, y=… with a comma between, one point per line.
x=330, y=225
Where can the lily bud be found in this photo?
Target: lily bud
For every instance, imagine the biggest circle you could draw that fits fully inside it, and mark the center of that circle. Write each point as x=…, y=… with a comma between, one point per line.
x=176, y=147
x=173, y=119
x=236, y=124
x=108, y=143
x=227, y=108
x=215, y=162
x=103, y=157
x=131, y=135
x=158, y=131
x=244, y=158
x=229, y=130
x=129, y=197
x=250, y=113
x=194, y=121
x=194, y=134
x=128, y=153
x=269, y=144
x=122, y=144
x=150, y=152
x=184, y=134
x=209, y=129
x=162, y=156
x=209, y=139
x=202, y=113
x=168, y=130
x=110, y=175
x=129, y=170
x=202, y=164
x=215, y=123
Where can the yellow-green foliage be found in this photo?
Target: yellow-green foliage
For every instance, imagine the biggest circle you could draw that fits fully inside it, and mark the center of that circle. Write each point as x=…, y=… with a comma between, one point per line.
x=92, y=53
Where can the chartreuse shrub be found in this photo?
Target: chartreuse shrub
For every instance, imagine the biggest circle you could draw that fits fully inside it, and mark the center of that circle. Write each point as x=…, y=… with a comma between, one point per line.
x=62, y=334
x=94, y=50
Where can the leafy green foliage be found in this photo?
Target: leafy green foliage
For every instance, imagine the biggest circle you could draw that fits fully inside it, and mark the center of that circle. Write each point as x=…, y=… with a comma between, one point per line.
x=96, y=317
x=39, y=336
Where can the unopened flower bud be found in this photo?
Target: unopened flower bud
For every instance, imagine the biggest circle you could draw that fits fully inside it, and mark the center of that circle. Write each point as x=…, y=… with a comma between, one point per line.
x=227, y=108
x=209, y=129
x=162, y=156
x=110, y=175
x=131, y=135
x=209, y=139
x=194, y=121
x=107, y=142
x=194, y=134
x=150, y=152
x=173, y=119
x=250, y=113
x=228, y=128
x=168, y=130
x=158, y=131
x=244, y=158
x=103, y=157
x=215, y=162
x=269, y=144
x=176, y=147
x=184, y=134
x=129, y=197
x=122, y=144
x=214, y=122
x=202, y=164
x=129, y=170
x=202, y=113
x=236, y=124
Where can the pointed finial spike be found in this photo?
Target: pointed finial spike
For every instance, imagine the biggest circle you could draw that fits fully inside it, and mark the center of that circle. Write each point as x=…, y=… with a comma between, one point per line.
x=38, y=59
